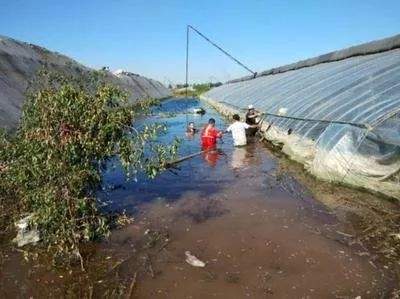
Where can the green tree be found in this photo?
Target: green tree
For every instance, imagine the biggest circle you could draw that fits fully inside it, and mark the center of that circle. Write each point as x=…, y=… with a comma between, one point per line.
x=69, y=129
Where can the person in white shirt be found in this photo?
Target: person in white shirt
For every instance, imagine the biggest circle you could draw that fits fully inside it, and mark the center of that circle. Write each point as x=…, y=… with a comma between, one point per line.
x=238, y=130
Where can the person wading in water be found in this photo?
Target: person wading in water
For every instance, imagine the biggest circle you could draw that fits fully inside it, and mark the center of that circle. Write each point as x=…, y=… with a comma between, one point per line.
x=191, y=129
x=209, y=135
x=238, y=129
x=251, y=120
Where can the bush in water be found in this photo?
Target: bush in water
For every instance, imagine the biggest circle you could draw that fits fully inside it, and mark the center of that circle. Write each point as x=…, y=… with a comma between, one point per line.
x=53, y=164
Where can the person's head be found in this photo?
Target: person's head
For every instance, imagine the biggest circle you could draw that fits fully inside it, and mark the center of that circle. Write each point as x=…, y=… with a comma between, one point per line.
x=251, y=107
x=236, y=117
x=211, y=122
x=191, y=125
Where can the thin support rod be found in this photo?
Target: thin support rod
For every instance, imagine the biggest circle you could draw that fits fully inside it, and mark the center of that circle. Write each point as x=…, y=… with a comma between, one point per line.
x=219, y=48
x=363, y=126
x=187, y=61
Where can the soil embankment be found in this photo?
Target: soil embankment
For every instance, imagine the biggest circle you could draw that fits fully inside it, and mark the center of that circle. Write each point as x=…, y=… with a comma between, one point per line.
x=20, y=62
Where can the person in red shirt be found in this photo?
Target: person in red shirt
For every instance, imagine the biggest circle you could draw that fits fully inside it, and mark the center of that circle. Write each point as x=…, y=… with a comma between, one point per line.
x=209, y=135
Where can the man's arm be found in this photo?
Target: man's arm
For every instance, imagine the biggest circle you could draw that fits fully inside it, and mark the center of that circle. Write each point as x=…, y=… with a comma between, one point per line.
x=228, y=129
x=247, y=126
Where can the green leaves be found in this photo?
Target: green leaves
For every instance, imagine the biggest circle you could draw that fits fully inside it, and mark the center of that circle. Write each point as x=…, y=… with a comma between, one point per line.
x=69, y=128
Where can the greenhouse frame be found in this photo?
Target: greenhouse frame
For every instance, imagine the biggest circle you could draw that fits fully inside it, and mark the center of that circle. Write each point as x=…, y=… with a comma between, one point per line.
x=338, y=114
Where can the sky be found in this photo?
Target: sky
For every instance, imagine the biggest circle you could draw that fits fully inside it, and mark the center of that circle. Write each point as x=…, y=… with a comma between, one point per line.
x=149, y=37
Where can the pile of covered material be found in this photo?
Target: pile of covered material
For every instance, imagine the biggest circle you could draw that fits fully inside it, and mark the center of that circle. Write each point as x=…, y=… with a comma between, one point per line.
x=20, y=62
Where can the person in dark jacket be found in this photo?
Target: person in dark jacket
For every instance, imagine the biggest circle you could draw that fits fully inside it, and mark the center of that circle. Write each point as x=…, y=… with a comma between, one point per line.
x=251, y=120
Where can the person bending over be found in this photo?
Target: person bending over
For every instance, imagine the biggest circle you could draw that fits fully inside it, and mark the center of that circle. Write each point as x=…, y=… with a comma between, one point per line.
x=251, y=115
x=251, y=119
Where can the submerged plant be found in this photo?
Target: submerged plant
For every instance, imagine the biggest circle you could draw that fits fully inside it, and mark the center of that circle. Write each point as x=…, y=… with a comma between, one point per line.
x=52, y=166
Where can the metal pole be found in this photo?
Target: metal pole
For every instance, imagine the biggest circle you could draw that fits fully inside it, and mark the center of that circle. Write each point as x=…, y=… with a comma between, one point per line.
x=187, y=60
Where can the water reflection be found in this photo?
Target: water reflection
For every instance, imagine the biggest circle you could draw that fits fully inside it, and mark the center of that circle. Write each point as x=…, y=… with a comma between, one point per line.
x=239, y=157
x=211, y=155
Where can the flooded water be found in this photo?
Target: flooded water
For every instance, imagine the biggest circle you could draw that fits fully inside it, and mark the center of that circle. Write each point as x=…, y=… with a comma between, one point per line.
x=258, y=230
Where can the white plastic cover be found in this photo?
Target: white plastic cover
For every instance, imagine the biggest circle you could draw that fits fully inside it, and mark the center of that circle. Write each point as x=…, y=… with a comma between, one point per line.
x=364, y=90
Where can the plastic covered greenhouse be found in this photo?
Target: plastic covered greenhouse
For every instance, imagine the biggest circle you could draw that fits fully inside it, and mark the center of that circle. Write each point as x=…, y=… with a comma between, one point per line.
x=338, y=114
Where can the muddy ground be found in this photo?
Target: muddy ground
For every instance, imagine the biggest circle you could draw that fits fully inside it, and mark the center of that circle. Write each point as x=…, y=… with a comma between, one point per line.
x=264, y=228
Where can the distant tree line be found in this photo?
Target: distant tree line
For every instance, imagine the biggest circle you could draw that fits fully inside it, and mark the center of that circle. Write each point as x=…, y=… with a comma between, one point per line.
x=199, y=86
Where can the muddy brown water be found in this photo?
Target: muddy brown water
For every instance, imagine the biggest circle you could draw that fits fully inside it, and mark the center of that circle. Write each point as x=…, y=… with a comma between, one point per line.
x=260, y=233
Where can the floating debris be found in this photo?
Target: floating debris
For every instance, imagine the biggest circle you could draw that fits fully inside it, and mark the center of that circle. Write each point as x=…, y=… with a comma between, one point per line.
x=26, y=235
x=199, y=111
x=396, y=236
x=344, y=234
x=193, y=261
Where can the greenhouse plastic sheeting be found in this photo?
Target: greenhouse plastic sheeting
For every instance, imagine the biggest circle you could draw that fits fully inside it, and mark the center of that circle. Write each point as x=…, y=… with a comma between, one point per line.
x=363, y=91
